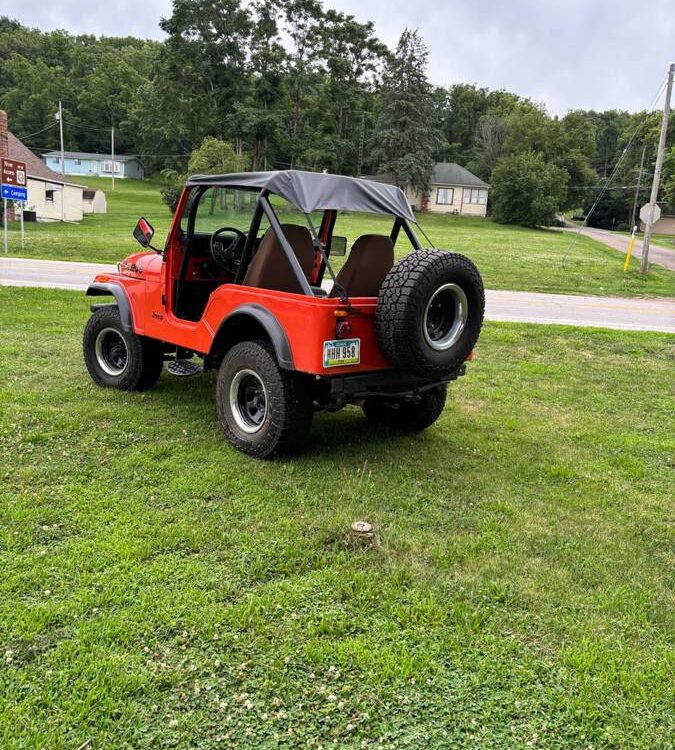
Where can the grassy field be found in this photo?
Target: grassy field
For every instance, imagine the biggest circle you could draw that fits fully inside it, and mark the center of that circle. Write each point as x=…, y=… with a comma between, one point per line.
x=160, y=590
x=508, y=257
x=666, y=241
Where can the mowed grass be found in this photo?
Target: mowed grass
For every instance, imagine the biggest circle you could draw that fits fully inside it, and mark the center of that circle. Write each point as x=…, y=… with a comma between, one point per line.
x=160, y=590
x=508, y=257
x=666, y=241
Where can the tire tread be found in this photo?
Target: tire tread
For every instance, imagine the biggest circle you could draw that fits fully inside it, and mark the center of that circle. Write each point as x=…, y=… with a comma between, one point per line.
x=401, y=304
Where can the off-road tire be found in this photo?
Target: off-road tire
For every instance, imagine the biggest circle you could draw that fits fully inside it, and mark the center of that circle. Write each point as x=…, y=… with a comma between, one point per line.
x=404, y=296
x=288, y=405
x=406, y=416
x=144, y=357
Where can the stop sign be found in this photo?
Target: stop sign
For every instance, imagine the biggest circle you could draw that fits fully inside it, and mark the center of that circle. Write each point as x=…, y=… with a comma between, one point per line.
x=644, y=213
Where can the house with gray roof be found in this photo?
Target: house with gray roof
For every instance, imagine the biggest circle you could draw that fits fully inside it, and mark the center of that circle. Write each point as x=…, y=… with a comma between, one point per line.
x=92, y=165
x=454, y=190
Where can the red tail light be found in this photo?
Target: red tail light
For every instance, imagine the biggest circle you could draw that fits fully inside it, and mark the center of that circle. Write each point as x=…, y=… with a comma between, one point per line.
x=343, y=329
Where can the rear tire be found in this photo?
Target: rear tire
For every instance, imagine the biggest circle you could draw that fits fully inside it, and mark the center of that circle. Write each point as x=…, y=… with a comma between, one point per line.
x=430, y=312
x=120, y=359
x=406, y=416
x=263, y=409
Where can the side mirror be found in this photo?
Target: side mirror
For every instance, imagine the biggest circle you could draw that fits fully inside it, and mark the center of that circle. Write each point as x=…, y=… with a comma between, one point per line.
x=338, y=246
x=143, y=232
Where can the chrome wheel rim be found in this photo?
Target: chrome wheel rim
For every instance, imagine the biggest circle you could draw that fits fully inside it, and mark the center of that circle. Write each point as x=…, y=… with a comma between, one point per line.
x=445, y=317
x=248, y=401
x=111, y=352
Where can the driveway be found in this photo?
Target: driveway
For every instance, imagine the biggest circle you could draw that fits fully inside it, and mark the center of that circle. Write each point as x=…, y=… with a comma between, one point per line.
x=659, y=255
x=656, y=314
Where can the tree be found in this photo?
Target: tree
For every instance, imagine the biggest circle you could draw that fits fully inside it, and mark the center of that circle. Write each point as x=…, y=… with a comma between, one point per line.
x=669, y=178
x=212, y=157
x=527, y=190
x=406, y=136
x=216, y=157
x=490, y=137
x=257, y=118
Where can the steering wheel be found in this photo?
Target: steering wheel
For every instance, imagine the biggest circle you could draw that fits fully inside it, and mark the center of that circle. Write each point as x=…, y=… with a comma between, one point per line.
x=227, y=255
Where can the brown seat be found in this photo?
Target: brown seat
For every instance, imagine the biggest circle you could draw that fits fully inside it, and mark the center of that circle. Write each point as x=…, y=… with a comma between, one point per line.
x=270, y=268
x=369, y=261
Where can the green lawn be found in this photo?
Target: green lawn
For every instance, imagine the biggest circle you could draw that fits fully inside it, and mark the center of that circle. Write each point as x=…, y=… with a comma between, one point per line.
x=508, y=257
x=666, y=241
x=160, y=590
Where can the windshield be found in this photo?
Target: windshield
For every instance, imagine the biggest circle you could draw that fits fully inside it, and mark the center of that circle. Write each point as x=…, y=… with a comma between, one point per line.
x=223, y=207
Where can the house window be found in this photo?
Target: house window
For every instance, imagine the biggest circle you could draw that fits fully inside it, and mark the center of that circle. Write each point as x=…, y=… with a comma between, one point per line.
x=475, y=195
x=57, y=159
x=107, y=166
x=445, y=196
x=78, y=162
x=49, y=196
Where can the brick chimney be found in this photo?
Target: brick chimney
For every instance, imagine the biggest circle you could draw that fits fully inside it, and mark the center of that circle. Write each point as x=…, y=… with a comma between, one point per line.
x=4, y=148
x=4, y=151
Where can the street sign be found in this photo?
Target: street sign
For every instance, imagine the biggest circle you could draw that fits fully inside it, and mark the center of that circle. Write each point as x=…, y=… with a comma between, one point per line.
x=13, y=179
x=644, y=213
x=13, y=172
x=13, y=186
x=15, y=193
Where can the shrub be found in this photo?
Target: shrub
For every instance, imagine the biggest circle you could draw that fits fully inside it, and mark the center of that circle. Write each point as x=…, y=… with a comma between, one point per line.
x=527, y=190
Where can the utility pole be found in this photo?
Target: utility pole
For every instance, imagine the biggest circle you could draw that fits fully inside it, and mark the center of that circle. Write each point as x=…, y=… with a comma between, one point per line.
x=63, y=165
x=637, y=189
x=644, y=261
x=112, y=152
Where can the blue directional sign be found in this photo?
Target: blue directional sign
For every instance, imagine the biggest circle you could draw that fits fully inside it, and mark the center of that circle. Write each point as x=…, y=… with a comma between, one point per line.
x=14, y=193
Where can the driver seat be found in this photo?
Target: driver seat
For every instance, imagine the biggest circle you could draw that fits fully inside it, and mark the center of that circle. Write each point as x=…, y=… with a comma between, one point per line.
x=270, y=268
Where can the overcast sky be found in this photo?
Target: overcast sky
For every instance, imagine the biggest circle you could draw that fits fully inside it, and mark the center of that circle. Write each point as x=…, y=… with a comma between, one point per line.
x=587, y=54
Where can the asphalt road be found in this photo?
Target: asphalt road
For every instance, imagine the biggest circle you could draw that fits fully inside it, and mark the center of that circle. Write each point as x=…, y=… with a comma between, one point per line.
x=659, y=255
x=656, y=314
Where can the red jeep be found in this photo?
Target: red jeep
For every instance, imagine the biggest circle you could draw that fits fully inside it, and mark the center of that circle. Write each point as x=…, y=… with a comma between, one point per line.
x=240, y=284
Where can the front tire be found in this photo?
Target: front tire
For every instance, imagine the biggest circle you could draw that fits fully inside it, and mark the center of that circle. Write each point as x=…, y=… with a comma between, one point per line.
x=119, y=359
x=263, y=409
x=406, y=416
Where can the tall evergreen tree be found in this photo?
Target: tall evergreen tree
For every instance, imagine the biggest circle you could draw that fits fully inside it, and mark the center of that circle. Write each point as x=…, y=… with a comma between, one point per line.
x=406, y=135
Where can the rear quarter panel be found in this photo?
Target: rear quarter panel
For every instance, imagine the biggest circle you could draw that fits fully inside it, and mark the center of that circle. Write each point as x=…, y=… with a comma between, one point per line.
x=307, y=323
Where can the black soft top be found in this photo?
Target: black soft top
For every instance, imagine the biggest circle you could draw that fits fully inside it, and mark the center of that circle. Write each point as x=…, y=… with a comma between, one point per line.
x=314, y=191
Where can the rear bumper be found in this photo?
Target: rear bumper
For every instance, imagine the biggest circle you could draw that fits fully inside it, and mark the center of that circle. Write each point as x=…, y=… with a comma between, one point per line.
x=385, y=384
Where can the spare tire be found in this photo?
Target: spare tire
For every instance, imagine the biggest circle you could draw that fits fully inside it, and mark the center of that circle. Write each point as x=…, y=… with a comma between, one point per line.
x=430, y=312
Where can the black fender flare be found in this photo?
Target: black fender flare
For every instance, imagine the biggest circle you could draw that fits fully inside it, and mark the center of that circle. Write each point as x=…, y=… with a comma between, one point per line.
x=105, y=289
x=270, y=325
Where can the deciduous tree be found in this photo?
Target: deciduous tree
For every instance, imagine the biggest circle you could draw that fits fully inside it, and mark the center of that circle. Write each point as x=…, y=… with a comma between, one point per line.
x=527, y=190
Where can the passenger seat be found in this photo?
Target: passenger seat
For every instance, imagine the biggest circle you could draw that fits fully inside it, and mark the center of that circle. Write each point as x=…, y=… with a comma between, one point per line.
x=270, y=268
x=369, y=261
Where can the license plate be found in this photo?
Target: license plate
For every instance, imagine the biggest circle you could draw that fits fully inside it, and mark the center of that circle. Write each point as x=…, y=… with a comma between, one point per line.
x=341, y=352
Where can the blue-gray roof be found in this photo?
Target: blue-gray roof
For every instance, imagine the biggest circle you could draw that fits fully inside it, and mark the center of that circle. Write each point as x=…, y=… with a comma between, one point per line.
x=85, y=155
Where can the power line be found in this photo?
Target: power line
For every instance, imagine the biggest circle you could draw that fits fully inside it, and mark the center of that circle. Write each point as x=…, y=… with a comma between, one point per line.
x=84, y=125
x=37, y=132
x=614, y=171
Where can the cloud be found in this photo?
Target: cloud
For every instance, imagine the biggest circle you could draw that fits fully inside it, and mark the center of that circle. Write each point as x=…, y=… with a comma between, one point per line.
x=571, y=55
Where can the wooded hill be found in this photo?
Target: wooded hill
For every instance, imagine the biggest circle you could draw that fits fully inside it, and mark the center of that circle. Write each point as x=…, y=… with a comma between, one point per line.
x=295, y=84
